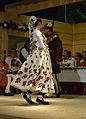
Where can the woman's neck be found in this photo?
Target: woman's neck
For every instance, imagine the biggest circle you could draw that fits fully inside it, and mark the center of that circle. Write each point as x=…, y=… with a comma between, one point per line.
x=38, y=28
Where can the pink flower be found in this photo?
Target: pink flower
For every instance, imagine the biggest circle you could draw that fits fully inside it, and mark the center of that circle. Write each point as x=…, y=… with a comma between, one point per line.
x=42, y=67
x=35, y=70
x=20, y=72
x=45, y=72
x=26, y=69
x=47, y=78
x=25, y=76
x=30, y=71
x=40, y=77
x=24, y=83
x=40, y=84
x=18, y=80
x=29, y=82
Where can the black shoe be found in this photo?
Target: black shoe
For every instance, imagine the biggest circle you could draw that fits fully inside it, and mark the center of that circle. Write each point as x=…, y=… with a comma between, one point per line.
x=42, y=101
x=58, y=95
x=28, y=99
x=8, y=94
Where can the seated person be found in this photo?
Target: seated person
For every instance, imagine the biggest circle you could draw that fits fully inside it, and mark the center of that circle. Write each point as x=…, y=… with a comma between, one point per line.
x=84, y=55
x=83, y=60
x=3, y=72
x=14, y=64
x=80, y=60
x=68, y=60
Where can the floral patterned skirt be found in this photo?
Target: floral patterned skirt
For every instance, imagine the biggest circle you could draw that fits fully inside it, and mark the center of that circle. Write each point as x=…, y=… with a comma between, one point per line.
x=36, y=73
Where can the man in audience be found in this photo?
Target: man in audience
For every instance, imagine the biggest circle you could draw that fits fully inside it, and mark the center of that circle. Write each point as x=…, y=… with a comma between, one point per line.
x=24, y=51
x=14, y=64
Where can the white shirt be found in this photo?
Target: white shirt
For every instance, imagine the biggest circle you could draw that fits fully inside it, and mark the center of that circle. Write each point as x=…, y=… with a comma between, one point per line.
x=37, y=36
x=70, y=62
x=8, y=61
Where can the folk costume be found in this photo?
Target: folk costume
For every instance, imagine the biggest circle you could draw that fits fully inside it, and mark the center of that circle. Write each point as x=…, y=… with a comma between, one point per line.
x=35, y=74
x=55, y=49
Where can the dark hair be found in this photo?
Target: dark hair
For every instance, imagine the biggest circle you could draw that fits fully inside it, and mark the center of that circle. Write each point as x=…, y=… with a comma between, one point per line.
x=38, y=21
x=79, y=55
x=13, y=50
x=27, y=42
x=48, y=27
x=68, y=52
x=83, y=52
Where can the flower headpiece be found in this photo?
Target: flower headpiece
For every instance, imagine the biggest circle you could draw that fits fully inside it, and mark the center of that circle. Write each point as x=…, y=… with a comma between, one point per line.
x=31, y=25
x=49, y=25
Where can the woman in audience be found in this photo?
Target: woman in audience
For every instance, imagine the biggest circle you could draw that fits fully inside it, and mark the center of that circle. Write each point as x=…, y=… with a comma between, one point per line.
x=80, y=59
x=83, y=60
x=68, y=60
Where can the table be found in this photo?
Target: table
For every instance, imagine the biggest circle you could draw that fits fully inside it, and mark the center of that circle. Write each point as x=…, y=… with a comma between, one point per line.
x=75, y=76
x=70, y=74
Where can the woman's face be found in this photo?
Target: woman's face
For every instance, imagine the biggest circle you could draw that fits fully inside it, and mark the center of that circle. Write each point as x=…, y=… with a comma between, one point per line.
x=40, y=25
x=84, y=54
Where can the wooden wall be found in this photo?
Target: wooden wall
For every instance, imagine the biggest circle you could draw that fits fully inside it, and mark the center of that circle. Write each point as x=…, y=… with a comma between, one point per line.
x=79, y=37
x=65, y=32
x=3, y=41
x=73, y=36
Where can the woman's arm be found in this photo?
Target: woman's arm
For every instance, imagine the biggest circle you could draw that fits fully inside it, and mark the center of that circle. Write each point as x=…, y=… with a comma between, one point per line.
x=37, y=36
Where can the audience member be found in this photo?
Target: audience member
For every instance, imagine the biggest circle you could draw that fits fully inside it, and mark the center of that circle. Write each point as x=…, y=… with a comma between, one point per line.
x=78, y=58
x=68, y=60
x=14, y=65
x=24, y=51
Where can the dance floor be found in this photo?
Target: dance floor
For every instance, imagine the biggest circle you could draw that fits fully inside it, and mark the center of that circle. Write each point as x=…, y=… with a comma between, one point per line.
x=65, y=107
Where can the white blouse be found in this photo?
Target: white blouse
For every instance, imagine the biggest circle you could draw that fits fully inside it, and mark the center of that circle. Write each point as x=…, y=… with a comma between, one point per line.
x=38, y=37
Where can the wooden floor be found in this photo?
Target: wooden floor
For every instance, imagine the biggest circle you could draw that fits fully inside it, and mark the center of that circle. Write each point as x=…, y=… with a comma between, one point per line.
x=65, y=107
x=3, y=116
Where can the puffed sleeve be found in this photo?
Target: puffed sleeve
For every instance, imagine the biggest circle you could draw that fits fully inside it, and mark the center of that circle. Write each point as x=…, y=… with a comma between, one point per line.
x=24, y=53
x=38, y=38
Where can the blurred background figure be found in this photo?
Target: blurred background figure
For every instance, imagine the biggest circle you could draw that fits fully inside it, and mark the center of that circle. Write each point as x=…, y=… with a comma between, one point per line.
x=14, y=65
x=25, y=51
x=68, y=60
x=83, y=61
x=80, y=59
x=3, y=72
